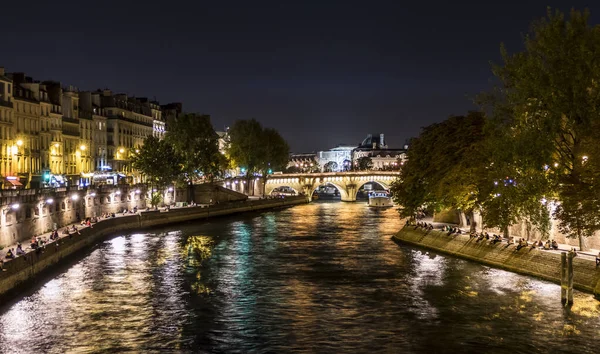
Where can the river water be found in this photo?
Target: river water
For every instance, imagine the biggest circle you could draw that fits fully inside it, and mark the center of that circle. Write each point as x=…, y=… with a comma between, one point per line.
x=323, y=277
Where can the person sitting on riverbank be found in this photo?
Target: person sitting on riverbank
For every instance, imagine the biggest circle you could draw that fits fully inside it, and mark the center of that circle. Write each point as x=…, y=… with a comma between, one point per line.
x=20, y=250
x=9, y=254
x=496, y=239
x=573, y=251
x=547, y=245
x=75, y=230
x=554, y=244
x=540, y=244
x=34, y=243
x=598, y=259
x=522, y=243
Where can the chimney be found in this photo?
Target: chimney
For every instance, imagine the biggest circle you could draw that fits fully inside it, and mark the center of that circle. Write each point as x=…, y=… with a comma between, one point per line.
x=1, y=71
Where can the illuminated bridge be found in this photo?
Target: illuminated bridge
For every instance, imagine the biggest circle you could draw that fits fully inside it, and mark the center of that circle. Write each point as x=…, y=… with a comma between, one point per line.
x=347, y=183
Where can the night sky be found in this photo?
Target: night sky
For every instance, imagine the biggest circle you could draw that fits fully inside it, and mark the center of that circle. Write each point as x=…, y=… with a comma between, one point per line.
x=321, y=72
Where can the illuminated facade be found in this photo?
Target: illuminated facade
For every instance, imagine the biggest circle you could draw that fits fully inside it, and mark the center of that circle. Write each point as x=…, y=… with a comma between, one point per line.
x=6, y=125
x=52, y=135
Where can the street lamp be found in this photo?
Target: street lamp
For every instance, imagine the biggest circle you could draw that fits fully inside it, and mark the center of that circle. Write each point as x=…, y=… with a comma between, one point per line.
x=82, y=148
x=19, y=142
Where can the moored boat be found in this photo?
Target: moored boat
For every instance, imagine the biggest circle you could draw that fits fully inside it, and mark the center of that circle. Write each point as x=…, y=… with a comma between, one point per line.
x=380, y=200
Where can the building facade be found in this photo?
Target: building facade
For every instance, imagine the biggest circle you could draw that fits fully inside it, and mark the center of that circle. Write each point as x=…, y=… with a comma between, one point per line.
x=53, y=136
x=382, y=157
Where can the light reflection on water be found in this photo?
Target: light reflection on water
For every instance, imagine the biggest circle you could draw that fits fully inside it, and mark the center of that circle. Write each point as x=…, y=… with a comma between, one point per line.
x=318, y=277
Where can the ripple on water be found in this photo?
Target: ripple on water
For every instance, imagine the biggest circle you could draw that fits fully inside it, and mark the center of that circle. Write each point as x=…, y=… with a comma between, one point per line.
x=319, y=277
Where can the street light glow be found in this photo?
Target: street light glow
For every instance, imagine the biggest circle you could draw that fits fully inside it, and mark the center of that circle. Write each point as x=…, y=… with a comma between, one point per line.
x=118, y=192
x=121, y=150
x=15, y=206
x=19, y=142
x=74, y=197
x=82, y=147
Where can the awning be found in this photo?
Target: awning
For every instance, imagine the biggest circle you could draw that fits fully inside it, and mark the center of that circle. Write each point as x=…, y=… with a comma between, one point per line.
x=15, y=182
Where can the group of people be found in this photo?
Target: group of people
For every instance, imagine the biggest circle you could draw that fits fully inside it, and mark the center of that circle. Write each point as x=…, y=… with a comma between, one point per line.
x=11, y=253
x=485, y=236
x=423, y=225
x=451, y=230
x=548, y=244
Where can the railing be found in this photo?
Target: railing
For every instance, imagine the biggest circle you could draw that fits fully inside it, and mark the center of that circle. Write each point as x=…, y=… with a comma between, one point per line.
x=6, y=104
x=71, y=133
x=70, y=120
x=85, y=115
x=130, y=120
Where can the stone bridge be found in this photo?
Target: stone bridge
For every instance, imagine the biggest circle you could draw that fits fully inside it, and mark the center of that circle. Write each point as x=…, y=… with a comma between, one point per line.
x=347, y=183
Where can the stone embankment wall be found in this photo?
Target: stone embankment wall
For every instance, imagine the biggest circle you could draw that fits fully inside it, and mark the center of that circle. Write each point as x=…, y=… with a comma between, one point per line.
x=538, y=263
x=30, y=212
x=24, y=268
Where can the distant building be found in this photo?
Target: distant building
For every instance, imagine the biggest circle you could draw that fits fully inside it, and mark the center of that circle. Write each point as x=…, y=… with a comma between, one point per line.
x=383, y=157
x=303, y=162
x=340, y=157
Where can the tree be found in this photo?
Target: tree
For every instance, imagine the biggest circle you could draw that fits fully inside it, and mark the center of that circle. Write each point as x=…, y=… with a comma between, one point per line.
x=277, y=151
x=330, y=166
x=194, y=139
x=550, y=92
x=158, y=161
x=365, y=163
x=446, y=167
x=257, y=150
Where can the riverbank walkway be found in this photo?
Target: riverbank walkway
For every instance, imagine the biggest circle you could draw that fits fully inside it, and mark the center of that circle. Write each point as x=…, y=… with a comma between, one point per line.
x=589, y=254
x=70, y=230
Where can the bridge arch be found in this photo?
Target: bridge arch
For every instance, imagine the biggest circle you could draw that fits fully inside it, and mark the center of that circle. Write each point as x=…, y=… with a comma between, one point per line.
x=343, y=193
x=384, y=184
x=293, y=183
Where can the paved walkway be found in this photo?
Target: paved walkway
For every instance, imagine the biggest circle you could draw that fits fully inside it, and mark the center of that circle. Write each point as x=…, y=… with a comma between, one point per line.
x=589, y=254
x=26, y=244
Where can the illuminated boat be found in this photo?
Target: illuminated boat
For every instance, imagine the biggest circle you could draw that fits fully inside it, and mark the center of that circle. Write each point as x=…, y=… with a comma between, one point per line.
x=380, y=200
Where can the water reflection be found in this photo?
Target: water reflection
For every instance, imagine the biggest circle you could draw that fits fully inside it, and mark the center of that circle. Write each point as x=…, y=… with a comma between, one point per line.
x=313, y=278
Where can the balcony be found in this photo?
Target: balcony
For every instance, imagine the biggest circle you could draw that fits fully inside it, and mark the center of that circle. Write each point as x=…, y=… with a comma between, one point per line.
x=130, y=120
x=85, y=115
x=70, y=132
x=70, y=120
x=6, y=104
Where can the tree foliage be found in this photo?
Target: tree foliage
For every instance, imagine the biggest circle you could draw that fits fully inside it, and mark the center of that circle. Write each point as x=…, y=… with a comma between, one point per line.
x=256, y=149
x=549, y=98
x=194, y=139
x=364, y=163
x=445, y=167
x=330, y=166
x=158, y=161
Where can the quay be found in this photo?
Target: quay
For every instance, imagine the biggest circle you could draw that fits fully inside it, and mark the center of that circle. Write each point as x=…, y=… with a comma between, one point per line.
x=527, y=260
x=24, y=268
